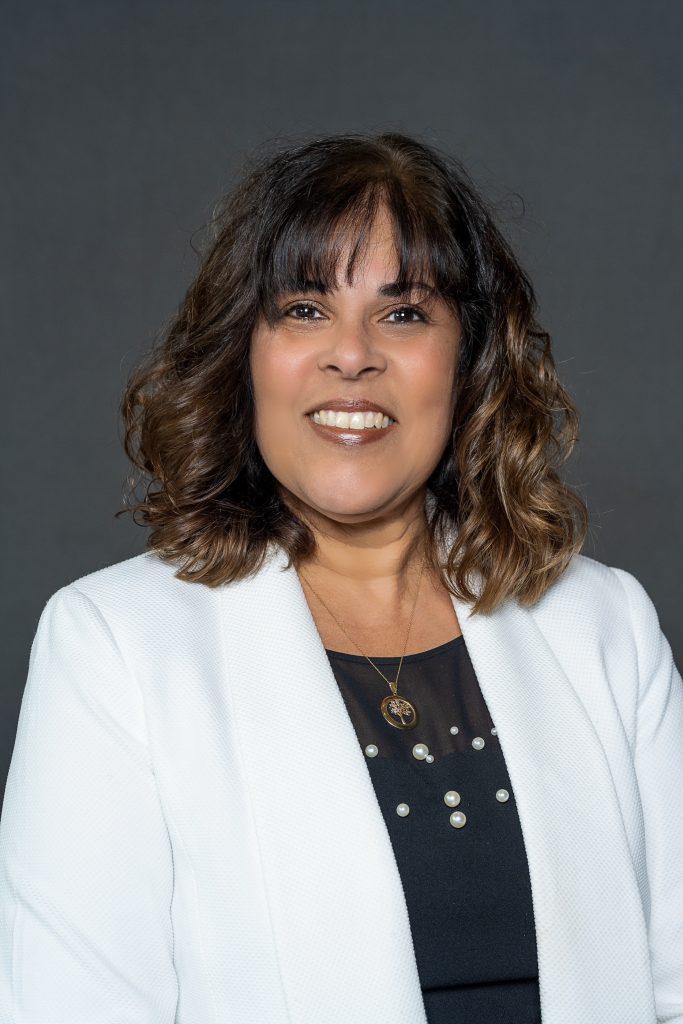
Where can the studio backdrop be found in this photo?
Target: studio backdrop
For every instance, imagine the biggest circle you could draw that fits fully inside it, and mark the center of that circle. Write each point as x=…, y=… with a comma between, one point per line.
x=124, y=123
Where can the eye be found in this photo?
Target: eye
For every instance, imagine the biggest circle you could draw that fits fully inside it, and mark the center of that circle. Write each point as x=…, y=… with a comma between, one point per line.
x=302, y=306
x=411, y=310
x=305, y=311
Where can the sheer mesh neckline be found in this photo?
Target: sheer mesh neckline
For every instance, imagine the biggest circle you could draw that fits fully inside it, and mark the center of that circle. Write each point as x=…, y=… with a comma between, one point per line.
x=418, y=656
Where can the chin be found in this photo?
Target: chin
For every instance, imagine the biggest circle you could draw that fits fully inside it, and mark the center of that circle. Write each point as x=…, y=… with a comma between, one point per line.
x=344, y=509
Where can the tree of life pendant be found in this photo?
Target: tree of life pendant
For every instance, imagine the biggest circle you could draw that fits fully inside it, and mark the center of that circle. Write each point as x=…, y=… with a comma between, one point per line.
x=398, y=711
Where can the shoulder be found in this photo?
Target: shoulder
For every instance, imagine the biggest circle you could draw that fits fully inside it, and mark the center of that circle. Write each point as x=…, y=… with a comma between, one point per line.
x=140, y=571
x=143, y=577
x=592, y=588
x=134, y=599
x=605, y=605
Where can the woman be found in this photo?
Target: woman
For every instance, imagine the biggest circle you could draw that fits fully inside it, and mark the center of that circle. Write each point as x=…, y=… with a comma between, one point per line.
x=361, y=737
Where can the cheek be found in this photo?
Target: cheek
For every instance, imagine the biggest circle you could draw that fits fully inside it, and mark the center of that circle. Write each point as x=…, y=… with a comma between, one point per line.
x=276, y=385
x=432, y=388
x=276, y=376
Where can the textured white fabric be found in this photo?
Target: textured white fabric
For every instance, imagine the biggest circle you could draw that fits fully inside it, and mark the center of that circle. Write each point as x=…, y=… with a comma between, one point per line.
x=190, y=833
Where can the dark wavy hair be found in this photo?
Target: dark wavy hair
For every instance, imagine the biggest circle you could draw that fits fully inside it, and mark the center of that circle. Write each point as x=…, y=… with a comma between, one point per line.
x=211, y=502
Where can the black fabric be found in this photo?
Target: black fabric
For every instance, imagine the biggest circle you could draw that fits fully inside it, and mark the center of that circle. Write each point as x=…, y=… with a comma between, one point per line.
x=467, y=889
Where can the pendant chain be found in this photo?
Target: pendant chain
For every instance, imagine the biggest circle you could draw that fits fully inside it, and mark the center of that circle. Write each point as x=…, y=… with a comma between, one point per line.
x=393, y=685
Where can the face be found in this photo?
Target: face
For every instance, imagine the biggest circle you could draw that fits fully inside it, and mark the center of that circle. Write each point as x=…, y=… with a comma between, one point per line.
x=355, y=342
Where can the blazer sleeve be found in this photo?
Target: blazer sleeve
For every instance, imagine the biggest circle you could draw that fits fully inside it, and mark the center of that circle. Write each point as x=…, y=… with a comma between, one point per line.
x=659, y=770
x=86, y=870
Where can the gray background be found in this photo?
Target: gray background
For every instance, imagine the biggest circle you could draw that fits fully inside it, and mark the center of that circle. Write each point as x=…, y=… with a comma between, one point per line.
x=124, y=122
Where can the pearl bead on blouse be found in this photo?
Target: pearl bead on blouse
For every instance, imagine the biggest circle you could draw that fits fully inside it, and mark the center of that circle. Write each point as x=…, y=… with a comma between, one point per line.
x=451, y=798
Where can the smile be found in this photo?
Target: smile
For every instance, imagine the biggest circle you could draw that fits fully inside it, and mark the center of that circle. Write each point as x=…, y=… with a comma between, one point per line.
x=354, y=420
x=352, y=437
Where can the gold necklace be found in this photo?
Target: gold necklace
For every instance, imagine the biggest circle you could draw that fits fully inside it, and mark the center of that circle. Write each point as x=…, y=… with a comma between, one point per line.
x=396, y=710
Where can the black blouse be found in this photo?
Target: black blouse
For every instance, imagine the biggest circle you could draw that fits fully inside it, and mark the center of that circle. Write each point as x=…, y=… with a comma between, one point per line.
x=461, y=859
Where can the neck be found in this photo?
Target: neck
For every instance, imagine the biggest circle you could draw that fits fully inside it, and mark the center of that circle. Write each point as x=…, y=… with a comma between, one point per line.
x=379, y=559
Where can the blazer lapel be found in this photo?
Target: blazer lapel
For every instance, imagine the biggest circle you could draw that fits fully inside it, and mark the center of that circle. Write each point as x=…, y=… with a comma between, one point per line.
x=585, y=892
x=339, y=916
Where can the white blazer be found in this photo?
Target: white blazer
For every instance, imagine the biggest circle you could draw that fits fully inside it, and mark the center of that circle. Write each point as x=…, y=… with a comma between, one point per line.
x=190, y=833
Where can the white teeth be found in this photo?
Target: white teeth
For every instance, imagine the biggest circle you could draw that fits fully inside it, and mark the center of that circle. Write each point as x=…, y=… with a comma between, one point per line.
x=353, y=421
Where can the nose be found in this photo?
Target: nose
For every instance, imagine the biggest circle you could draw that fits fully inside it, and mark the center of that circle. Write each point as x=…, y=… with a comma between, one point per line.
x=351, y=350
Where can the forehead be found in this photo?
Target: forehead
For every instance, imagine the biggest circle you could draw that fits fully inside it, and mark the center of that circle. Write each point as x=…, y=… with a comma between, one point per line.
x=367, y=260
x=373, y=258
x=326, y=251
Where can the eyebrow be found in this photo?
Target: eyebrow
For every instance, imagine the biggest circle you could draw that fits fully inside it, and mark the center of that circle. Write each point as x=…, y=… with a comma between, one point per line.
x=391, y=289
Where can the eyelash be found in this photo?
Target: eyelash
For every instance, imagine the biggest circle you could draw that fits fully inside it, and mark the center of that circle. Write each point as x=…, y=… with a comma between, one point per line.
x=401, y=309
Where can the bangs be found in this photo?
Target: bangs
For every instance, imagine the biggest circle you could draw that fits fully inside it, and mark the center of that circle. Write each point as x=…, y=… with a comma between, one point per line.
x=307, y=238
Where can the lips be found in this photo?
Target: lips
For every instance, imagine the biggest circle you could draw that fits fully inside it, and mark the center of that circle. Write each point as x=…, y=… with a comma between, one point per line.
x=348, y=438
x=351, y=405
